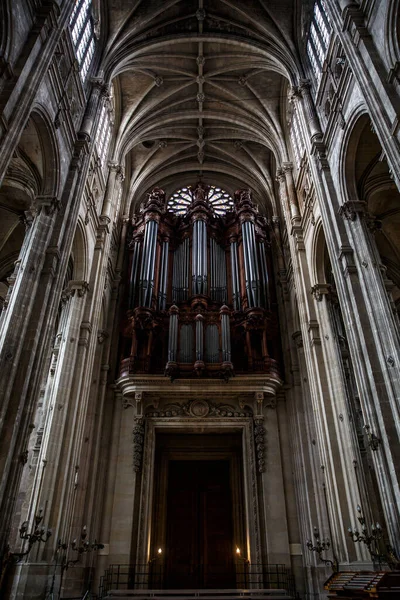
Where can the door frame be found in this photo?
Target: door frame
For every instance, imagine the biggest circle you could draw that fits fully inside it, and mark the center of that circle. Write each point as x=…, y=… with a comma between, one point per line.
x=252, y=538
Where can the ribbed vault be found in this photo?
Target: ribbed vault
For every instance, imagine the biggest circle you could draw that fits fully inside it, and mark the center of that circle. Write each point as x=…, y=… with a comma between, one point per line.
x=203, y=90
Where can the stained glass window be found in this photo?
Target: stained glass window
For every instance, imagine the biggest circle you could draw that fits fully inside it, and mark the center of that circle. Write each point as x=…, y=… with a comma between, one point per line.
x=221, y=201
x=82, y=33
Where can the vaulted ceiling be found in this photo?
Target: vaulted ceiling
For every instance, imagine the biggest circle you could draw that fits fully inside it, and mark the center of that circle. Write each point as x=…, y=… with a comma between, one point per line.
x=201, y=88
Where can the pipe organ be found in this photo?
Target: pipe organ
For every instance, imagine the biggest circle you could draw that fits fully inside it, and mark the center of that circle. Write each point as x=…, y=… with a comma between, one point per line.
x=200, y=297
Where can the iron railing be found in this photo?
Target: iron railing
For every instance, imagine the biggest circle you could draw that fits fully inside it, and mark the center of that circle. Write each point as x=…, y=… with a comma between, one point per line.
x=151, y=576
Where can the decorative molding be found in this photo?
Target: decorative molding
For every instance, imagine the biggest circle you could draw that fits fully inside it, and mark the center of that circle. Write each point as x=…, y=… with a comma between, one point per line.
x=138, y=443
x=319, y=290
x=350, y=209
x=77, y=287
x=259, y=440
x=199, y=409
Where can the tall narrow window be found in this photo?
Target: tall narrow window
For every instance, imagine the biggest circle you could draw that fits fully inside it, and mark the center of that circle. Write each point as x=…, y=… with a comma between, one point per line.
x=318, y=39
x=296, y=137
x=104, y=130
x=82, y=33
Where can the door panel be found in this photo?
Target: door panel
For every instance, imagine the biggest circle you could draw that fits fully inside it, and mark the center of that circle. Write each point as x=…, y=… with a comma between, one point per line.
x=199, y=552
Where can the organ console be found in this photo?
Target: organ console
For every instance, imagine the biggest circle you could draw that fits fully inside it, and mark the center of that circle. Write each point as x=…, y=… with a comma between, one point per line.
x=201, y=299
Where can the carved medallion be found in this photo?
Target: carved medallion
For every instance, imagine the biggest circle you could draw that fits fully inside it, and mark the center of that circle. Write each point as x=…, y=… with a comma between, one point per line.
x=199, y=409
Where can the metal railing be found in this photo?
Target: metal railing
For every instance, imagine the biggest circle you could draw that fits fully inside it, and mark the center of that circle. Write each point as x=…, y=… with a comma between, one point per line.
x=151, y=576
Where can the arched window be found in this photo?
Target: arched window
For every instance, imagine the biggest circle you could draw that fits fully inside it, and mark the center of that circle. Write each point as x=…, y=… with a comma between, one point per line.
x=221, y=202
x=82, y=33
x=318, y=38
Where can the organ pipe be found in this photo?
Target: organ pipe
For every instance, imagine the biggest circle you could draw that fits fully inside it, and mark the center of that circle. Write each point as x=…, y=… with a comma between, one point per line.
x=148, y=263
x=162, y=294
x=173, y=334
x=251, y=265
x=217, y=272
x=134, y=272
x=264, y=275
x=199, y=258
x=180, y=277
x=235, y=276
x=199, y=338
x=225, y=335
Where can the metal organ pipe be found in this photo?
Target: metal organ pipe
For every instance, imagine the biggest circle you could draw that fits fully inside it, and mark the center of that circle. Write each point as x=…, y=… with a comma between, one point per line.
x=225, y=335
x=173, y=334
x=251, y=264
x=199, y=258
x=218, y=272
x=162, y=294
x=148, y=263
x=180, y=277
x=235, y=276
x=134, y=273
x=264, y=274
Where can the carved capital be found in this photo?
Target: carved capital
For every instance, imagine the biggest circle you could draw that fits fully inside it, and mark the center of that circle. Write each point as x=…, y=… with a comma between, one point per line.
x=353, y=208
x=77, y=287
x=287, y=167
x=298, y=339
x=319, y=290
x=49, y=203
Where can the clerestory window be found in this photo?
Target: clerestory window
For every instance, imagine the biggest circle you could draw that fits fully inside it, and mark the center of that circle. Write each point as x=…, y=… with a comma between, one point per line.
x=82, y=33
x=318, y=39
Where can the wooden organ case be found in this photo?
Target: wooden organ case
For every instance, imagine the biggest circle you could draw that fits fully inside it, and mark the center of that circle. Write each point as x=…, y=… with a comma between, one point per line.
x=201, y=295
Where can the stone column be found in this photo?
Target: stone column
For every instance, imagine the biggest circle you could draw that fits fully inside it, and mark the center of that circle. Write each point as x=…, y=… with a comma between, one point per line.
x=375, y=339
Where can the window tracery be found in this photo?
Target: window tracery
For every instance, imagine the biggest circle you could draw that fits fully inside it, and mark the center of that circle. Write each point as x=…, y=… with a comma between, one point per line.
x=221, y=201
x=318, y=39
x=82, y=33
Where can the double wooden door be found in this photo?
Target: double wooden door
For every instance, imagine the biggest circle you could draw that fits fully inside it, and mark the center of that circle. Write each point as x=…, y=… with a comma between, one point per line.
x=199, y=544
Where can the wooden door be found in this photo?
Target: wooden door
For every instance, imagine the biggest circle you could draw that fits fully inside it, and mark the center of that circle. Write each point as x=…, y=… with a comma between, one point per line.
x=199, y=548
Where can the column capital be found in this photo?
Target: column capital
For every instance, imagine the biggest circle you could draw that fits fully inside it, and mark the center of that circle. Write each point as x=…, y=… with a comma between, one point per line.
x=353, y=208
x=287, y=167
x=319, y=290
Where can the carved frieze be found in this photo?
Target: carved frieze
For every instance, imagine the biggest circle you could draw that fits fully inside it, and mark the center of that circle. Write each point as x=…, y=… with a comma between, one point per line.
x=198, y=409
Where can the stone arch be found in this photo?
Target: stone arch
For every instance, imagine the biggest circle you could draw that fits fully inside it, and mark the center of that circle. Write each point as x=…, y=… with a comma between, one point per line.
x=50, y=151
x=392, y=37
x=366, y=179
x=33, y=171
